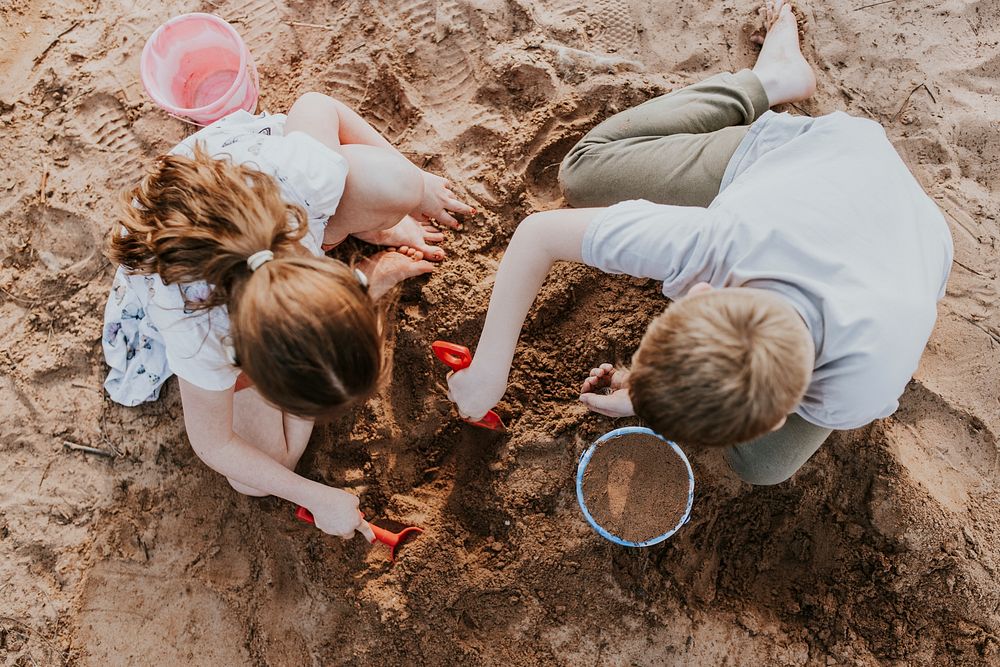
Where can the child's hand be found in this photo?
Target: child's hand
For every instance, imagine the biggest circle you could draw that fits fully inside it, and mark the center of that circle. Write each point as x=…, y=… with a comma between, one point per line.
x=407, y=235
x=474, y=393
x=614, y=404
x=387, y=269
x=438, y=199
x=336, y=512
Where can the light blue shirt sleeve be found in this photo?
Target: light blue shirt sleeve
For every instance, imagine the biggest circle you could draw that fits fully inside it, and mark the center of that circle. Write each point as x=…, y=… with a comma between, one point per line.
x=646, y=240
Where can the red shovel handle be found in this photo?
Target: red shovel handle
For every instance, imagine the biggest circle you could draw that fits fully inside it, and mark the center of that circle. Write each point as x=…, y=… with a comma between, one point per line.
x=303, y=514
x=457, y=357
x=491, y=421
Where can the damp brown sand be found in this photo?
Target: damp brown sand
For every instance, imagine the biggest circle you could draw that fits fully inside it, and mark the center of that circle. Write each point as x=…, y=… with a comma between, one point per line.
x=850, y=563
x=636, y=487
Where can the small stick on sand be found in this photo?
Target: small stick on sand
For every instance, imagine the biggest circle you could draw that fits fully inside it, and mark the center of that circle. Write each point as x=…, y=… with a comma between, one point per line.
x=874, y=4
x=41, y=56
x=45, y=181
x=915, y=89
x=972, y=270
x=988, y=332
x=87, y=450
x=28, y=303
x=312, y=25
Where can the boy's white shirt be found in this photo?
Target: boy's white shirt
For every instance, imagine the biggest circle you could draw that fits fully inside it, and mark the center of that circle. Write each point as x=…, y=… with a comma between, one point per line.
x=824, y=212
x=308, y=173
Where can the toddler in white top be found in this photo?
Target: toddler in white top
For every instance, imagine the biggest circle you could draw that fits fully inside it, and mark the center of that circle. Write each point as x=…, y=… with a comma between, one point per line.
x=223, y=282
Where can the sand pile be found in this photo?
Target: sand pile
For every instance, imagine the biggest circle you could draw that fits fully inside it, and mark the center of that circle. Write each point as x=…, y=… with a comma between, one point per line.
x=883, y=550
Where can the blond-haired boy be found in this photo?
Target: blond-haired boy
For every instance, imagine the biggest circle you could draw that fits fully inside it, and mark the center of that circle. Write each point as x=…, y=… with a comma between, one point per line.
x=804, y=259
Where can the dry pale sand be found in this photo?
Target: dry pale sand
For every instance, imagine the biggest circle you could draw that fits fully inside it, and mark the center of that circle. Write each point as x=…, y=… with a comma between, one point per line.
x=885, y=549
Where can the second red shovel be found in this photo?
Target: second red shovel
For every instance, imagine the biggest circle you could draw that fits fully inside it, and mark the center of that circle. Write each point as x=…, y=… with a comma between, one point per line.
x=458, y=357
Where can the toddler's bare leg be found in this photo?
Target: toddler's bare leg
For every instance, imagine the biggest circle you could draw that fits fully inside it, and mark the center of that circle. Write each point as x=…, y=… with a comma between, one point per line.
x=282, y=437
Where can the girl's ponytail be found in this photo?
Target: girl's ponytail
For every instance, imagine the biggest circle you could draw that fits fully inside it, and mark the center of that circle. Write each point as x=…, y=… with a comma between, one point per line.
x=200, y=218
x=303, y=328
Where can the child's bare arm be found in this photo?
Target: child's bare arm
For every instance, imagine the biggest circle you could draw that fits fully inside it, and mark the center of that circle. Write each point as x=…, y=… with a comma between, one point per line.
x=540, y=240
x=208, y=418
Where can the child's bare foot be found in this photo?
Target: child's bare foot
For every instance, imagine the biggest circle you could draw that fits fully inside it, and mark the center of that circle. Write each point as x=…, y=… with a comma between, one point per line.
x=409, y=237
x=389, y=268
x=781, y=68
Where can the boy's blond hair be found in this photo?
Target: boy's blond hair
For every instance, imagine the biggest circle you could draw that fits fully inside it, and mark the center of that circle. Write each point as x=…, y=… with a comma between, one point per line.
x=721, y=368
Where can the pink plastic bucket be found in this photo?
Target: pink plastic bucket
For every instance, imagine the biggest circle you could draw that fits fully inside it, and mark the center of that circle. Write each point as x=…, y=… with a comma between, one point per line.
x=196, y=66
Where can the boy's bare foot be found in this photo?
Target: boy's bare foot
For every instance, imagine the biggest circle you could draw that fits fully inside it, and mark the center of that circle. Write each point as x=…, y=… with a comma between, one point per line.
x=781, y=68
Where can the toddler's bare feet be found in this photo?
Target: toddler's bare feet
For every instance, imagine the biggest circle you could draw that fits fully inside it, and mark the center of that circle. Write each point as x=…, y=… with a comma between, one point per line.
x=413, y=239
x=388, y=268
x=781, y=68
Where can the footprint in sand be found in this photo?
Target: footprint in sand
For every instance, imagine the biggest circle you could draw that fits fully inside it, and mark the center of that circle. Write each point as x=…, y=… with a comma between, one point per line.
x=604, y=26
x=619, y=482
x=950, y=454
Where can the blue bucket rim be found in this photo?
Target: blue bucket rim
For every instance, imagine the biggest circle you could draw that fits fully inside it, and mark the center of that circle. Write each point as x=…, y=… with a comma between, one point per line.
x=585, y=460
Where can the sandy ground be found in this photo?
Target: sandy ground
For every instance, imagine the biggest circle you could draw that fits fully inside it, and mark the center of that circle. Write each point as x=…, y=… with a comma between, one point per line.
x=885, y=548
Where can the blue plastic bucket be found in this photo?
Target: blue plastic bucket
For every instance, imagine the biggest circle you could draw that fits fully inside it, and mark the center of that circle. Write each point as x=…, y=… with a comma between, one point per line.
x=582, y=467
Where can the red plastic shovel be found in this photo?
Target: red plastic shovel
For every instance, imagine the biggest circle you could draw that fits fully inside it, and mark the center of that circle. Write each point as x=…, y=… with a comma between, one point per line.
x=386, y=537
x=458, y=357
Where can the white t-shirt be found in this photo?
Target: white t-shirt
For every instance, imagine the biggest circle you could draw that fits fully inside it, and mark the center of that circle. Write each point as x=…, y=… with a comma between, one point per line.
x=308, y=173
x=824, y=212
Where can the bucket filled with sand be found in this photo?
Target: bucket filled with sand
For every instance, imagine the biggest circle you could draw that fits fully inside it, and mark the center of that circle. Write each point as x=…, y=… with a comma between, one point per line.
x=635, y=488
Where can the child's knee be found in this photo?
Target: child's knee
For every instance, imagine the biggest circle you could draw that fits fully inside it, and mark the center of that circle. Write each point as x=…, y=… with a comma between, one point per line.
x=574, y=178
x=318, y=103
x=754, y=471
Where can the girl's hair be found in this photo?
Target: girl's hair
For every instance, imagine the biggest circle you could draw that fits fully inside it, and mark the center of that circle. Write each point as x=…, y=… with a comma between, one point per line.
x=303, y=328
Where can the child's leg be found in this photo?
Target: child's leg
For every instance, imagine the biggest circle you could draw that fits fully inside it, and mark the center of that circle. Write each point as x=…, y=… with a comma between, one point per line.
x=382, y=187
x=282, y=437
x=673, y=149
x=773, y=458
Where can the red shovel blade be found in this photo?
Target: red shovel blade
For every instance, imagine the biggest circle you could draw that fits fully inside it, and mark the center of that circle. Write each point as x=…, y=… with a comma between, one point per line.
x=391, y=539
x=457, y=357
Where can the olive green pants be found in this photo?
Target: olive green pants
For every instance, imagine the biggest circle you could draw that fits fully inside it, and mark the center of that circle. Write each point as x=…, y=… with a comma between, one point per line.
x=674, y=149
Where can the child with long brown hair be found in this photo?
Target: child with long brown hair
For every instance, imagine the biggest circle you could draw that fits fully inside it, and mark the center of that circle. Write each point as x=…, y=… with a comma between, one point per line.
x=223, y=281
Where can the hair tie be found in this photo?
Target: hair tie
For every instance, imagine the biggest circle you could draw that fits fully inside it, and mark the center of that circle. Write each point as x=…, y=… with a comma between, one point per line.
x=362, y=278
x=259, y=258
x=230, y=351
